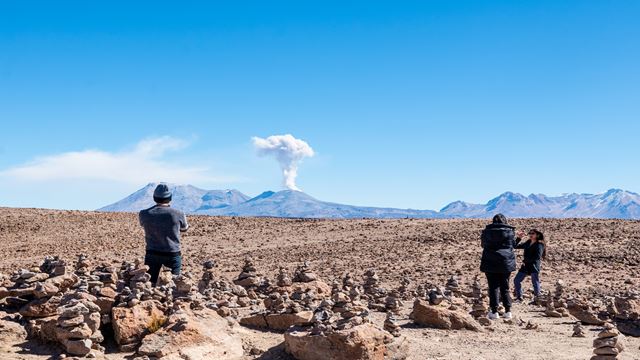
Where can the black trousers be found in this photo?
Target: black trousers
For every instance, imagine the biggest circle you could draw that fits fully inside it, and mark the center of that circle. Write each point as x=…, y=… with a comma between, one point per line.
x=499, y=290
x=155, y=261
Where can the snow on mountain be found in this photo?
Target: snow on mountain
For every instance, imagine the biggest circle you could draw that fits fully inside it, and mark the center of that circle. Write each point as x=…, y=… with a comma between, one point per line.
x=292, y=203
x=187, y=198
x=615, y=203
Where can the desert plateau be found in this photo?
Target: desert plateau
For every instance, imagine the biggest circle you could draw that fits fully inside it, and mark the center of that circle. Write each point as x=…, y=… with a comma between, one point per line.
x=73, y=285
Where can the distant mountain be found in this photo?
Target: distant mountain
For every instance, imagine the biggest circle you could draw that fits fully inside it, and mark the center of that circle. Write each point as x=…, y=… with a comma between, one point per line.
x=291, y=203
x=187, y=198
x=614, y=203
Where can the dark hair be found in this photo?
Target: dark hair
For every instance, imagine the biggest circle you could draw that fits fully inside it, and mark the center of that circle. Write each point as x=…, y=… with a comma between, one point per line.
x=162, y=200
x=500, y=219
x=540, y=238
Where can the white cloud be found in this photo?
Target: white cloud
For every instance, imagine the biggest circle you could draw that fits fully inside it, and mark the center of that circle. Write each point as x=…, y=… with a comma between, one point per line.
x=142, y=164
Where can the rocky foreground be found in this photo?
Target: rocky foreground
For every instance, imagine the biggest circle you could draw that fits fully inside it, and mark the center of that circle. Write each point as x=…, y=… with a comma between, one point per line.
x=292, y=289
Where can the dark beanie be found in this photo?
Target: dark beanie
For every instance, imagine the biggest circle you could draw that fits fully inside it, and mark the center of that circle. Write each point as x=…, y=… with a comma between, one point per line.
x=162, y=192
x=500, y=219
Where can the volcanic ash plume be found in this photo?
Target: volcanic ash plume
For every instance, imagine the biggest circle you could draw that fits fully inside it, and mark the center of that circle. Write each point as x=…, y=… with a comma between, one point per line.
x=289, y=152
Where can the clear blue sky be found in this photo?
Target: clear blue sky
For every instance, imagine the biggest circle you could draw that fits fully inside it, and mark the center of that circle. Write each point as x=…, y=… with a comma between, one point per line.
x=406, y=104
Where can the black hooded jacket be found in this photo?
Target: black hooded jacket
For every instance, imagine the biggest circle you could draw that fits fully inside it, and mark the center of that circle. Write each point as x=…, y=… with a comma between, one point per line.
x=532, y=256
x=498, y=256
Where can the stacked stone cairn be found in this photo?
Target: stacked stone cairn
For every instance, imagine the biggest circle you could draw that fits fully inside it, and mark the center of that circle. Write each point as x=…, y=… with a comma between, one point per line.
x=133, y=284
x=304, y=274
x=283, y=279
x=391, y=324
x=403, y=289
x=352, y=312
x=219, y=294
x=479, y=307
x=608, y=344
x=578, y=330
x=453, y=287
x=373, y=292
x=250, y=279
x=393, y=302
x=78, y=324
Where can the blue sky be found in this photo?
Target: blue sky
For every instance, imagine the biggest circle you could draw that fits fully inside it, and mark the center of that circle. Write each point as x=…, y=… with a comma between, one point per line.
x=405, y=104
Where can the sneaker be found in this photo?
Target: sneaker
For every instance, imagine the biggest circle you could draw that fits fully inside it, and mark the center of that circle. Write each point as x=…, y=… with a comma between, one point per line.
x=507, y=315
x=493, y=316
x=518, y=300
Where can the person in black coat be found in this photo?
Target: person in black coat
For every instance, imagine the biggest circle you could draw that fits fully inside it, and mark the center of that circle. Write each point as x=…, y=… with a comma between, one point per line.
x=498, y=262
x=534, y=251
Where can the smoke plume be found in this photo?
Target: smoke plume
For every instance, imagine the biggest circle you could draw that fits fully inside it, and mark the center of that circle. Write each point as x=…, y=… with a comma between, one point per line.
x=288, y=151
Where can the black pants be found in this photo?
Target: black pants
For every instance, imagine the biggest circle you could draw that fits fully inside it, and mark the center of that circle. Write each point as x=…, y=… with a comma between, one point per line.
x=499, y=289
x=155, y=260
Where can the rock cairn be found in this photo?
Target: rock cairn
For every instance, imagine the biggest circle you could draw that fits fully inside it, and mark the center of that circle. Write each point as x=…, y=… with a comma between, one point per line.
x=220, y=295
x=393, y=302
x=283, y=279
x=578, y=330
x=479, y=307
x=304, y=274
x=391, y=324
x=249, y=277
x=608, y=344
x=373, y=292
x=453, y=286
x=134, y=284
x=78, y=324
x=403, y=289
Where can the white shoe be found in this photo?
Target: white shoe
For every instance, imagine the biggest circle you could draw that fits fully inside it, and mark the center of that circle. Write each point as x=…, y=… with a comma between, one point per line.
x=493, y=316
x=507, y=316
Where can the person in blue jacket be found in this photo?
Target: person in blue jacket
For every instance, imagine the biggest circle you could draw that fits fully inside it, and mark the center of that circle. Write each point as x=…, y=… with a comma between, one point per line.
x=534, y=252
x=498, y=262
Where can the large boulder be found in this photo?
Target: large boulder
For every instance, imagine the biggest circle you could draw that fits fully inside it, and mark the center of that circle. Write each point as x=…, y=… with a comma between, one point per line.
x=440, y=317
x=583, y=312
x=362, y=342
x=131, y=324
x=190, y=336
x=279, y=322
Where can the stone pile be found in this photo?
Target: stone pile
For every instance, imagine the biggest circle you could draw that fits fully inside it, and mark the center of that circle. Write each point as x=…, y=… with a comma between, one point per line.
x=608, y=344
x=78, y=325
x=453, y=287
x=393, y=301
x=578, y=330
x=133, y=284
x=403, y=289
x=391, y=324
x=304, y=274
x=283, y=279
x=373, y=292
x=479, y=307
x=286, y=304
x=249, y=277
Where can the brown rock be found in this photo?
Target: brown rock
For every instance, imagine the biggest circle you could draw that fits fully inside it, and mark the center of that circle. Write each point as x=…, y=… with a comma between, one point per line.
x=360, y=342
x=583, y=313
x=442, y=318
x=44, y=307
x=131, y=324
x=278, y=321
x=206, y=336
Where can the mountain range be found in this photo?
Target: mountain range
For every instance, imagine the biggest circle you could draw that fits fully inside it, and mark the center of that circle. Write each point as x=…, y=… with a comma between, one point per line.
x=614, y=203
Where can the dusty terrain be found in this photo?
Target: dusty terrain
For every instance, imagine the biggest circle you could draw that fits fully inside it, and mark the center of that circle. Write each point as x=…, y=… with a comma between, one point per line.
x=594, y=257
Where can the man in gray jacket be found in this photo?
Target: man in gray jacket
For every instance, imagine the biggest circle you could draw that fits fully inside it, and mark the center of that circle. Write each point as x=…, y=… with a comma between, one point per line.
x=162, y=227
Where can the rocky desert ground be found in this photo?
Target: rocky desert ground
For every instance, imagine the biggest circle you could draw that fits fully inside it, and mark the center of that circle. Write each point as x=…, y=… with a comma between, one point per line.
x=71, y=285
